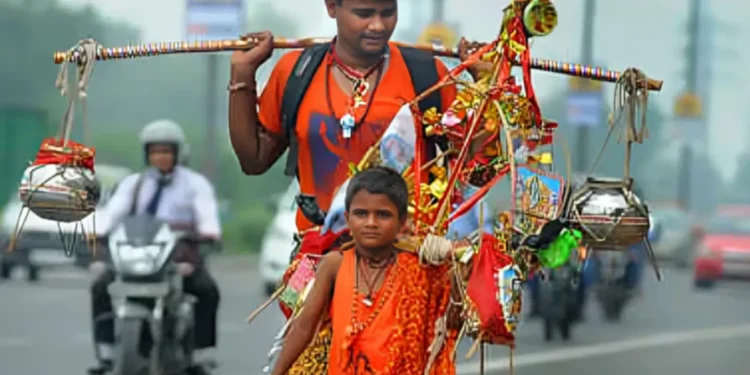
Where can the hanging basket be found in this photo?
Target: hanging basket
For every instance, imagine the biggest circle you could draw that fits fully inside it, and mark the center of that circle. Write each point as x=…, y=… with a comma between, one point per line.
x=608, y=213
x=60, y=184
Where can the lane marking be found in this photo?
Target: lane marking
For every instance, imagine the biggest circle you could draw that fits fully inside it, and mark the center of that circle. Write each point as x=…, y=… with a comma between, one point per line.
x=616, y=347
x=552, y=356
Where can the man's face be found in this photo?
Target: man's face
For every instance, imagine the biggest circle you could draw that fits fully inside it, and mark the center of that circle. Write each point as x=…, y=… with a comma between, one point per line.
x=373, y=221
x=161, y=156
x=364, y=25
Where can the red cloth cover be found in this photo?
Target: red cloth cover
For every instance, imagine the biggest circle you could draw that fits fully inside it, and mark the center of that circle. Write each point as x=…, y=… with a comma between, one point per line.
x=483, y=290
x=74, y=154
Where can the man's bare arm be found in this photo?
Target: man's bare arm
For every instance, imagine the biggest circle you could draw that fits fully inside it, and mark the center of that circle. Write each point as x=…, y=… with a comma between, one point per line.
x=256, y=149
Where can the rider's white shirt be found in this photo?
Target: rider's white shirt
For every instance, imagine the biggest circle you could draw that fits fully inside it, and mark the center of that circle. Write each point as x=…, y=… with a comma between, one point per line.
x=188, y=200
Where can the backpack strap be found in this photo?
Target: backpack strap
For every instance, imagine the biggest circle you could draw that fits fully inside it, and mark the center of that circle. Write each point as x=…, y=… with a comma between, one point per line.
x=424, y=74
x=296, y=87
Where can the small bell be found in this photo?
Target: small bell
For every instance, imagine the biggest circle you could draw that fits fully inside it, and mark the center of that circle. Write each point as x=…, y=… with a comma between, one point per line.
x=546, y=158
x=347, y=125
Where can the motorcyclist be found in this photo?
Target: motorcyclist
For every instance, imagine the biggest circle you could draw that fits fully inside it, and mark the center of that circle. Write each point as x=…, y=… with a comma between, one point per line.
x=179, y=196
x=587, y=278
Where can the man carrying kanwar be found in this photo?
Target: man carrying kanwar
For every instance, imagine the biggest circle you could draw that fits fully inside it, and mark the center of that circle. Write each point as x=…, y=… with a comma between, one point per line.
x=328, y=104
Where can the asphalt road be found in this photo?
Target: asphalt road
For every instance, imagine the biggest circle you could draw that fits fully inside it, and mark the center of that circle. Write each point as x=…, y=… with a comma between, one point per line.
x=670, y=329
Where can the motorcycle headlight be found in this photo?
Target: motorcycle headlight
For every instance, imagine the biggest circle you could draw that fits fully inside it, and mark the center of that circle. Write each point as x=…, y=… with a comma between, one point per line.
x=139, y=260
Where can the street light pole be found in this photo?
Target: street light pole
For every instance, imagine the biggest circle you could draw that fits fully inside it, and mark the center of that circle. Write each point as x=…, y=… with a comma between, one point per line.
x=438, y=11
x=587, y=55
x=689, y=107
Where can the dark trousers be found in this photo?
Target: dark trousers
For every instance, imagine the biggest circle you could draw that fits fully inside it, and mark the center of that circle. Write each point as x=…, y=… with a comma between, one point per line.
x=199, y=284
x=535, y=287
x=632, y=275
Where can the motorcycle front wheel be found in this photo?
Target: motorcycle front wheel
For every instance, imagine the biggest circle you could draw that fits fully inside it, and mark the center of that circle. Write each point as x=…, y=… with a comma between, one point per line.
x=613, y=305
x=128, y=358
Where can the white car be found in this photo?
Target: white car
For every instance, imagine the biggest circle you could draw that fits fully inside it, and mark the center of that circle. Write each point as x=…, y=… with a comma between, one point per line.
x=42, y=237
x=675, y=242
x=278, y=242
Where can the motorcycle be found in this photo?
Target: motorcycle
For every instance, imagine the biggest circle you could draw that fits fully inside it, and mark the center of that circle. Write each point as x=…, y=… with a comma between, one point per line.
x=560, y=302
x=154, y=328
x=611, y=290
x=619, y=275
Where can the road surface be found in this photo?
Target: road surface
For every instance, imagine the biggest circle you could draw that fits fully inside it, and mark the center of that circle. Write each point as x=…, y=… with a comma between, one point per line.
x=671, y=329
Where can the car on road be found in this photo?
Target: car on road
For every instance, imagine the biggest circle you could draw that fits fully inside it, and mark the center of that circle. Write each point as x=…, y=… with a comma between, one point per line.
x=278, y=241
x=724, y=249
x=42, y=238
x=676, y=242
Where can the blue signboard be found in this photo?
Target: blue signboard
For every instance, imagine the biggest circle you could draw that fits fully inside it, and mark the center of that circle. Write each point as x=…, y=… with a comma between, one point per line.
x=214, y=19
x=584, y=108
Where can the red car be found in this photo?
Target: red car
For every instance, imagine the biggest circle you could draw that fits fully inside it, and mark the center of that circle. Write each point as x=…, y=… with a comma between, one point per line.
x=724, y=250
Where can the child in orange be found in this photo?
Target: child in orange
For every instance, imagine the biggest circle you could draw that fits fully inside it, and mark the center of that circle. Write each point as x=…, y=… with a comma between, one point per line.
x=388, y=312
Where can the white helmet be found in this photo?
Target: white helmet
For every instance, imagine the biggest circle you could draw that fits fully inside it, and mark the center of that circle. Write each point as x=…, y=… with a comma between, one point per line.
x=166, y=131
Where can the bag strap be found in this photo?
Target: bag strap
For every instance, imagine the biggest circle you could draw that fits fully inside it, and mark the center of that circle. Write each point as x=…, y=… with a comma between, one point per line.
x=296, y=87
x=424, y=74
x=136, y=194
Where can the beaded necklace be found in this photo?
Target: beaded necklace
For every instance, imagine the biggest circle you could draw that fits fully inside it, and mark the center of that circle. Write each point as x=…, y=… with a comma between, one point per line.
x=356, y=327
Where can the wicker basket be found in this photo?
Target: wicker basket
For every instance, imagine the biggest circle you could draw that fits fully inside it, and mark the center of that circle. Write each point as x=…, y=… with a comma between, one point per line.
x=610, y=216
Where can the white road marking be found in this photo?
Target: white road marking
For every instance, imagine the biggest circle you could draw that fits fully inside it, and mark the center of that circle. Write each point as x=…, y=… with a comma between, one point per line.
x=560, y=355
x=616, y=347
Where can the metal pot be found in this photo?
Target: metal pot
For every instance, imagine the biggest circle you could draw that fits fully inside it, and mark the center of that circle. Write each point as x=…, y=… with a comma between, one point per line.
x=609, y=214
x=59, y=193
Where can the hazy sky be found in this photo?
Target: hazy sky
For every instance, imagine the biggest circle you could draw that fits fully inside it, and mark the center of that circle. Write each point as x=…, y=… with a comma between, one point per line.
x=648, y=34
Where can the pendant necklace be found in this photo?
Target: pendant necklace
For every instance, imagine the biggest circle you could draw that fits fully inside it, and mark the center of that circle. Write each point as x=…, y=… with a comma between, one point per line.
x=360, y=88
x=370, y=284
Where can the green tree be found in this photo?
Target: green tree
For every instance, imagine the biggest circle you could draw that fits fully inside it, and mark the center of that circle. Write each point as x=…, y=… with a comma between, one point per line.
x=33, y=31
x=121, y=93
